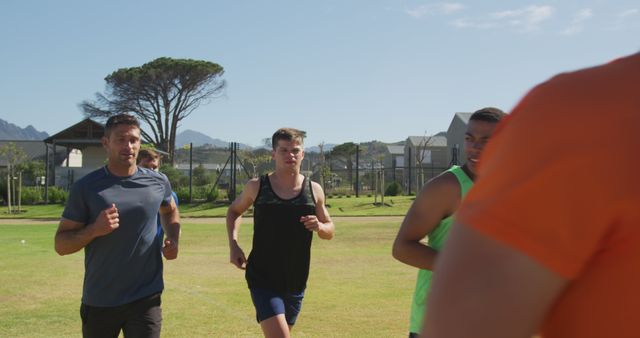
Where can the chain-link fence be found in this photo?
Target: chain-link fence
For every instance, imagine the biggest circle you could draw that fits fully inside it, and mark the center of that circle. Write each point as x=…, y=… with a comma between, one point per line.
x=196, y=180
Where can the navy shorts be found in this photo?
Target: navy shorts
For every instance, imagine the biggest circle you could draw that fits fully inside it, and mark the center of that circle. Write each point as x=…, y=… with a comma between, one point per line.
x=269, y=303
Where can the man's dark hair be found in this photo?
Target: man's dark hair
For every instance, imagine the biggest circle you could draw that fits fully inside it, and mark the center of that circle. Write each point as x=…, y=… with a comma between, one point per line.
x=488, y=114
x=120, y=119
x=287, y=134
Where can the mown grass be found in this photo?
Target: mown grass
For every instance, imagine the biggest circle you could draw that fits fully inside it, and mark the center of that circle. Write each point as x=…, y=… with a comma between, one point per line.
x=356, y=289
x=338, y=206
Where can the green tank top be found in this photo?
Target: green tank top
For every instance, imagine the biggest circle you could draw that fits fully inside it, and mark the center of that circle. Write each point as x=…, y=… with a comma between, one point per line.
x=435, y=240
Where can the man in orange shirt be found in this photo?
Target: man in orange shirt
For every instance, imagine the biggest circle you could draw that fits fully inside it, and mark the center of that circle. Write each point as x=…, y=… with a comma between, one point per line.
x=547, y=240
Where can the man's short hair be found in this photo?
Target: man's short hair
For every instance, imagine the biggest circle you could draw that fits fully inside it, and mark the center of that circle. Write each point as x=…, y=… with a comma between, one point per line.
x=147, y=154
x=120, y=119
x=288, y=134
x=488, y=114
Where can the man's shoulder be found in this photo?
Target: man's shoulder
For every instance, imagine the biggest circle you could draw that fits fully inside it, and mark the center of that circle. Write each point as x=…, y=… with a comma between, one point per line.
x=444, y=188
x=145, y=172
x=91, y=177
x=445, y=180
x=254, y=182
x=315, y=186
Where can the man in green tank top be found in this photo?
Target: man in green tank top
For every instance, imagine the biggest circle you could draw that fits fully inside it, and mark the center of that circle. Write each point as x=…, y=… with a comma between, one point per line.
x=432, y=211
x=288, y=209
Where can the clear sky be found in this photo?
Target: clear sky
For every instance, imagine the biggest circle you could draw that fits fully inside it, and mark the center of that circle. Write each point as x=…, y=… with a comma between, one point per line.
x=341, y=70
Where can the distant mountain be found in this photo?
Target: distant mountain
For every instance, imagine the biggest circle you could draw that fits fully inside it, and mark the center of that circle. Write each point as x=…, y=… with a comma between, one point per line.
x=199, y=139
x=9, y=131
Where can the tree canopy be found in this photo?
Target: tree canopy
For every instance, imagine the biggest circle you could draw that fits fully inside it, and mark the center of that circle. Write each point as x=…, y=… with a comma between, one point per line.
x=160, y=93
x=345, y=152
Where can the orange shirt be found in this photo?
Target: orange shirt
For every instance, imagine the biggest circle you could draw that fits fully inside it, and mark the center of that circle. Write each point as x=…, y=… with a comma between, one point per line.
x=559, y=181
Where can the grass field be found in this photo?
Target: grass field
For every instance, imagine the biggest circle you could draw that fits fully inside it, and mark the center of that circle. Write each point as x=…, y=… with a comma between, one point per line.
x=355, y=289
x=343, y=206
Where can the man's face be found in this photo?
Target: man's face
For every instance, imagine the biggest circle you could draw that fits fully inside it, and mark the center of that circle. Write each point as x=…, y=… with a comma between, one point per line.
x=288, y=154
x=122, y=145
x=477, y=135
x=150, y=163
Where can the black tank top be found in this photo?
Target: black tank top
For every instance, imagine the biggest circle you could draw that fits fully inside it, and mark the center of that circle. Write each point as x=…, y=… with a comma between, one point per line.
x=281, y=251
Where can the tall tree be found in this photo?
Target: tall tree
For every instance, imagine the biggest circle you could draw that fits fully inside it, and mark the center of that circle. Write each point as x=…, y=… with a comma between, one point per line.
x=14, y=157
x=161, y=93
x=257, y=159
x=422, y=154
x=345, y=152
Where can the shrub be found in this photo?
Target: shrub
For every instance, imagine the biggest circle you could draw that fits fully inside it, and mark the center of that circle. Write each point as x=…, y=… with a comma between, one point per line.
x=57, y=195
x=183, y=194
x=32, y=195
x=393, y=189
x=212, y=194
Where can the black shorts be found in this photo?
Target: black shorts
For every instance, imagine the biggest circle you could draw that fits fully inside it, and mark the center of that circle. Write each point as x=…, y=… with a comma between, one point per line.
x=141, y=318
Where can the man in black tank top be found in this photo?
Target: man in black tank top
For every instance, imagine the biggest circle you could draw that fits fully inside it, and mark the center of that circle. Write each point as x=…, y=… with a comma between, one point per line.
x=288, y=208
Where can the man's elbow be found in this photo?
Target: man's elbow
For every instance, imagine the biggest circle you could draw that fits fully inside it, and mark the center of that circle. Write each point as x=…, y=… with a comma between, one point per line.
x=60, y=249
x=397, y=250
x=327, y=236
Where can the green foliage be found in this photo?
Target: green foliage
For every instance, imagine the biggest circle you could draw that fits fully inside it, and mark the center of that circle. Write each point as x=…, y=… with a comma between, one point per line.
x=201, y=177
x=58, y=195
x=161, y=92
x=393, y=189
x=32, y=195
x=213, y=195
x=3, y=188
x=199, y=193
x=346, y=149
x=31, y=170
x=12, y=154
x=183, y=194
x=257, y=161
x=176, y=179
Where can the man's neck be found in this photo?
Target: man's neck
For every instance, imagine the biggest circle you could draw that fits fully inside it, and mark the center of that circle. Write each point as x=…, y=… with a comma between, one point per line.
x=287, y=177
x=122, y=171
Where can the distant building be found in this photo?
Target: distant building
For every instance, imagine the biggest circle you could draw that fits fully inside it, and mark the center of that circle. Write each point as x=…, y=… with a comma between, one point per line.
x=395, y=157
x=455, y=139
x=424, y=158
x=83, y=152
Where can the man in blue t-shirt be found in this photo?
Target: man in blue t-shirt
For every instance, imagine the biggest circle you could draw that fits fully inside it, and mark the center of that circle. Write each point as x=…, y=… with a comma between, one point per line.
x=111, y=213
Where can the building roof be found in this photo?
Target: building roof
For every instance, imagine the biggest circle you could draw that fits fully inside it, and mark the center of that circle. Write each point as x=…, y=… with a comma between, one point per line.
x=438, y=140
x=395, y=150
x=84, y=132
x=464, y=117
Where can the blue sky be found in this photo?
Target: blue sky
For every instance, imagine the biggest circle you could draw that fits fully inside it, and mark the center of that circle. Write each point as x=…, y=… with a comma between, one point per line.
x=341, y=70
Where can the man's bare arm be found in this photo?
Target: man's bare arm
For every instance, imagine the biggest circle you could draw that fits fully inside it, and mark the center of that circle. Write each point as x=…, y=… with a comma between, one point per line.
x=170, y=220
x=234, y=219
x=495, y=290
x=437, y=200
x=320, y=222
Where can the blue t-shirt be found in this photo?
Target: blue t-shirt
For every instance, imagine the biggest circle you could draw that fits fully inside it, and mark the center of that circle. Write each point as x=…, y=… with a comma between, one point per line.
x=126, y=264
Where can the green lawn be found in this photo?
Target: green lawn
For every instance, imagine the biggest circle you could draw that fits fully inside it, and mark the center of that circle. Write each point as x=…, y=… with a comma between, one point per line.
x=356, y=289
x=343, y=206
